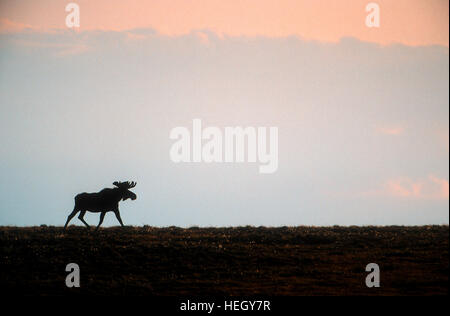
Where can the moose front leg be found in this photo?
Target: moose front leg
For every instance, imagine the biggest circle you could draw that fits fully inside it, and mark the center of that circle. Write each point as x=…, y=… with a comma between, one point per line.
x=118, y=217
x=74, y=212
x=102, y=216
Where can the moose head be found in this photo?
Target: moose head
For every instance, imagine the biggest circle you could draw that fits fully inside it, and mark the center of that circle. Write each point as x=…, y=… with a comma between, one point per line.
x=124, y=189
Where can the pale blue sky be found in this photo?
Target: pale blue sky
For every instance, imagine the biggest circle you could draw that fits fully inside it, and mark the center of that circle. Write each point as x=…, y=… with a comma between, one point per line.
x=363, y=128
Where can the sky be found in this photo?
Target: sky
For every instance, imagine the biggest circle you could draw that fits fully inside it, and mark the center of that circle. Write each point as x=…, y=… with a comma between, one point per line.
x=362, y=113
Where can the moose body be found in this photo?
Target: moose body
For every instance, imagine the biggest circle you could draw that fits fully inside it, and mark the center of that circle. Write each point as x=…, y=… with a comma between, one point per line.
x=107, y=200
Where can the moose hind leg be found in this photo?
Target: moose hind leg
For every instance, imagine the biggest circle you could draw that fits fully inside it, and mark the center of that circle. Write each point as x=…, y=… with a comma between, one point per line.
x=81, y=217
x=102, y=216
x=71, y=215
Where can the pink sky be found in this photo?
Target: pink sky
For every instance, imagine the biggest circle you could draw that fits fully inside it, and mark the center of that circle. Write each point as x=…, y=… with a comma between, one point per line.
x=430, y=188
x=411, y=22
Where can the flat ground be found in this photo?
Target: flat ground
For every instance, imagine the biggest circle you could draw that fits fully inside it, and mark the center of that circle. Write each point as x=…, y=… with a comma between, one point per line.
x=226, y=261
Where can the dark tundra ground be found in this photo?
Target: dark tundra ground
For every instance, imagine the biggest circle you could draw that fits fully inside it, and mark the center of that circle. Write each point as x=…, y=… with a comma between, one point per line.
x=226, y=261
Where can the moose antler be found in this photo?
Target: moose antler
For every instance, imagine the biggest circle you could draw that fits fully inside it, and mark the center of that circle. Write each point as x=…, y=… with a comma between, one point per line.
x=125, y=185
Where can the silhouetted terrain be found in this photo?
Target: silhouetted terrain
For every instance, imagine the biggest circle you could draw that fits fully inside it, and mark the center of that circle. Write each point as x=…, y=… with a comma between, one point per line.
x=225, y=261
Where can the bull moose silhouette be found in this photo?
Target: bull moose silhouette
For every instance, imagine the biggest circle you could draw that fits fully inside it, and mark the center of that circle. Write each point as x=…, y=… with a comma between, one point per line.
x=106, y=200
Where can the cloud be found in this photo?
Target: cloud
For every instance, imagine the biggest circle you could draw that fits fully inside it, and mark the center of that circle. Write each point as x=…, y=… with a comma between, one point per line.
x=203, y=37
x=56, y=43
x=72, y=50
x=394, y=131
x=280, y=18
x=58, y=49
x=135, y=36
x=8, y=26
x=443, y=185
x=430, y=188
